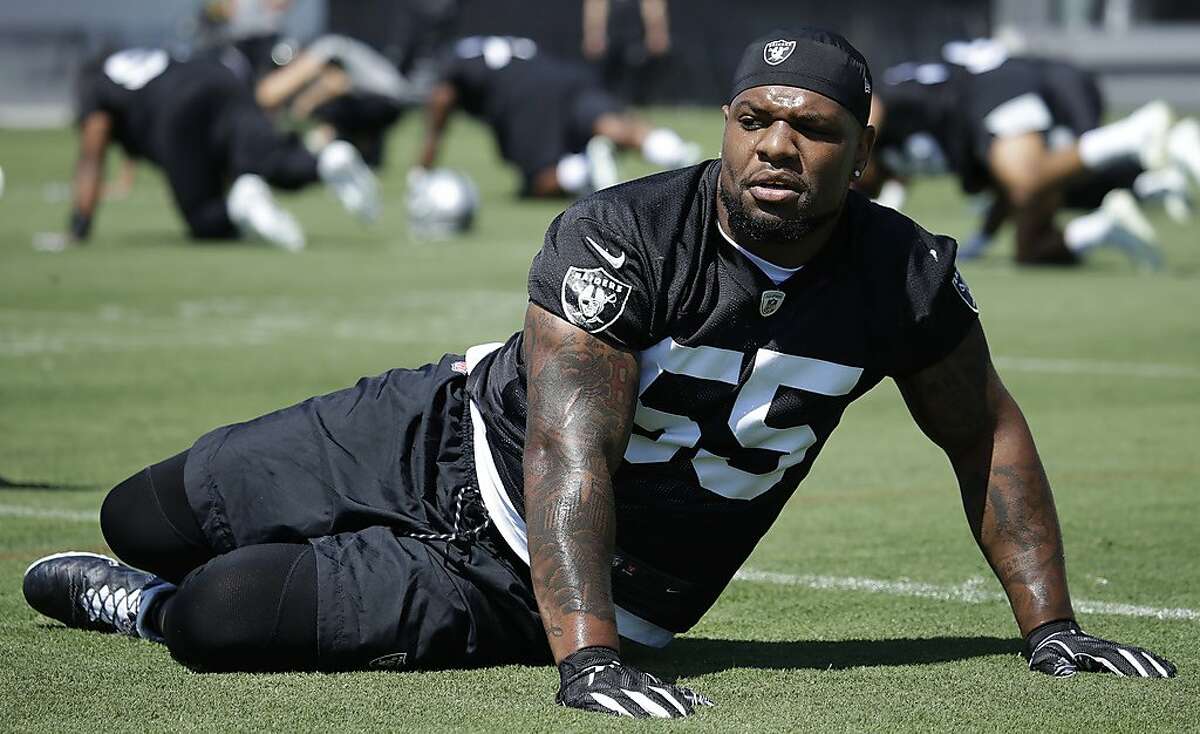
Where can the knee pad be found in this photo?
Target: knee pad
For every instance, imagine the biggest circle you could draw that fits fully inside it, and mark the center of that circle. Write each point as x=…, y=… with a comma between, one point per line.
x=252, y=609
x=148, y=523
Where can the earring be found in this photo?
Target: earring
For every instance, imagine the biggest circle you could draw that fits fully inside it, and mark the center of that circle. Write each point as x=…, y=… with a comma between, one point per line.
x=857, y=173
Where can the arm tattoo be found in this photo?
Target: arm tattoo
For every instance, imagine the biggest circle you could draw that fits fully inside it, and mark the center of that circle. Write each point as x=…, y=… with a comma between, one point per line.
x=962, y=406
x=581, y=399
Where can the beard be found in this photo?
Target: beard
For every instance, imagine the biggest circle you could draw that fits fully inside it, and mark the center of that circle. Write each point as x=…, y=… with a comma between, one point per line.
x=749, y=226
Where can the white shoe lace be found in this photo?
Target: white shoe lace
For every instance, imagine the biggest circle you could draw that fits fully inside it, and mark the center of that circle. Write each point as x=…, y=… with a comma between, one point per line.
x=118, y=607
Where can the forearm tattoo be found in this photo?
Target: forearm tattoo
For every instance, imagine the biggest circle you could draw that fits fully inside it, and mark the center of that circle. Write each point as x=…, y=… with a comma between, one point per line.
x=962, y=405
x=581, y=397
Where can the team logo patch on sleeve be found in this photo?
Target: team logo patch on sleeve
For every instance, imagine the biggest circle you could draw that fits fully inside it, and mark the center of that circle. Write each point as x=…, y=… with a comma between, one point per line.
x=771, y=301
x=777, y=52
x=592, y=299
x=960, y=285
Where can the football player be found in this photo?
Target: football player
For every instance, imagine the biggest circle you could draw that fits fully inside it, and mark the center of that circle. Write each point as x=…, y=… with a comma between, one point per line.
x=245, y=34
x=1027, y=130
x=626, y=41
x=604, y=472
x=218, y=150
x=348, y=89
x=550, y=117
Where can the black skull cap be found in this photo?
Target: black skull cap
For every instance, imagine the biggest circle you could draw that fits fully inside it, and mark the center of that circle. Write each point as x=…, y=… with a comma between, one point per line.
x=809, y=58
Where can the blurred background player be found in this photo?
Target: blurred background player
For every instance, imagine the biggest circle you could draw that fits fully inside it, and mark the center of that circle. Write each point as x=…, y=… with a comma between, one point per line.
x=1028, y=131
x=550, y=117
x=218, y=150
x=625, y=40
x=349, y=90
x=246, y=34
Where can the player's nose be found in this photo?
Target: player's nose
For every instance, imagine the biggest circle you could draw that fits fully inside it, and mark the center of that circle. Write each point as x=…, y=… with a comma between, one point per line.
x=777, y=143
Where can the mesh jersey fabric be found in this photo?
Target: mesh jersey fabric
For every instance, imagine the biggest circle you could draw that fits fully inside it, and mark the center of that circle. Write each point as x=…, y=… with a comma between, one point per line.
x=734, y=403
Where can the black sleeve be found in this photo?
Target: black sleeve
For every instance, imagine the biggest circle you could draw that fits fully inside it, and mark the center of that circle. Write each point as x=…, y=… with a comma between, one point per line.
x=89, y=96
x=590, y=275
x=939, y=308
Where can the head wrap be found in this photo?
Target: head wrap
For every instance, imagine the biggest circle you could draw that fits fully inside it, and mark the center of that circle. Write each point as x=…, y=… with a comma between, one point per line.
x=809, y=58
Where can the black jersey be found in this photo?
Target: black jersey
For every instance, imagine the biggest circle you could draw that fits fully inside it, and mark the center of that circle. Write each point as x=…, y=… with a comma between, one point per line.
x=924, y=130
x=145, y=90
x=742, y=380
x=528, y=99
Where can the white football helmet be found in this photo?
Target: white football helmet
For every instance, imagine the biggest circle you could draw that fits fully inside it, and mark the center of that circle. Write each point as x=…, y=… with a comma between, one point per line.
x=441, y=203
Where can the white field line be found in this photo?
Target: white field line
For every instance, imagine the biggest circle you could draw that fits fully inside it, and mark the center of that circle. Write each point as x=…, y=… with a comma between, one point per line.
x=972, y=591
x=1149, y=370
x=224, y=323
x=40, y=512
x=263, y=329
x=202, y=324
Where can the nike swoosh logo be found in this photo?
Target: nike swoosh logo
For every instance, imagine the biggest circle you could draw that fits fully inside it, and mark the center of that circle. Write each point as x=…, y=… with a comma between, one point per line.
x=616, y=262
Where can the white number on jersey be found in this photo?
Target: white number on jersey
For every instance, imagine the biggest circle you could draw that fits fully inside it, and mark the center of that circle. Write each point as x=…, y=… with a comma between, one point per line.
x=136, y=67
x=747, y=421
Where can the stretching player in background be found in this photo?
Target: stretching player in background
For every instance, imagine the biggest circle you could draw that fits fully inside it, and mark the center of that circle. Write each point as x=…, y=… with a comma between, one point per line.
x=245, y=34
x=218, y=150
x=349, y=90
x=544, y=113
x=1028, y=131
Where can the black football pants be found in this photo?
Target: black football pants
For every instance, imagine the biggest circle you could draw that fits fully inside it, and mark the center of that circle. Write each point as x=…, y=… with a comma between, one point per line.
x=215, y=135
x=254, y=608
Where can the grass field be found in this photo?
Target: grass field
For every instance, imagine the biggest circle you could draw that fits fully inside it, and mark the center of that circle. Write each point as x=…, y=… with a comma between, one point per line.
x=866, y=608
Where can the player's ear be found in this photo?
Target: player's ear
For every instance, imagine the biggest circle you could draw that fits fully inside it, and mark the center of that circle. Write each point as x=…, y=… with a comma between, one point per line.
x=725, y=112
x=862, y=155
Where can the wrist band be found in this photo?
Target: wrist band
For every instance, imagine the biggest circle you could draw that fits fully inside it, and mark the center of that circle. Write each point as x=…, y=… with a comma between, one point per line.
x=81, y=225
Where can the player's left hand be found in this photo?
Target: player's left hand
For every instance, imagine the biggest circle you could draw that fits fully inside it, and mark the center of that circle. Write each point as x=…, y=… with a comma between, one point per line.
x=1061, y=649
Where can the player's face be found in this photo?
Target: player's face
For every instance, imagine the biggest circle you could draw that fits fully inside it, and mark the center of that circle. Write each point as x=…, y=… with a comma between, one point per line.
x=787, y=159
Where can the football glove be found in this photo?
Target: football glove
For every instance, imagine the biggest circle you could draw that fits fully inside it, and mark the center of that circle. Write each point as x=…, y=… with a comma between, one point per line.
x=595, y=679
x=1061, y=649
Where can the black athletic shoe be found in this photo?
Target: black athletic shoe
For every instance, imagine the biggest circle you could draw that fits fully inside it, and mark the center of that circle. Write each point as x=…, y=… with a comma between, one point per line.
x=89, y=591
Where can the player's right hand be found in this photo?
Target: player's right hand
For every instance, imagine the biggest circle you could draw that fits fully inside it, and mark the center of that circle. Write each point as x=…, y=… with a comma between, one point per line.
x=595, y=679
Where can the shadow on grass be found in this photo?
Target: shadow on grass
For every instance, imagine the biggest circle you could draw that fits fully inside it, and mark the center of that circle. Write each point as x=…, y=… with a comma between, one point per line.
x=691, y=656
x=10, y=484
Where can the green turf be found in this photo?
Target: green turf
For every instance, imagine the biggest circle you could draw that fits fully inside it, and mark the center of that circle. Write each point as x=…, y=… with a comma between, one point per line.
x=120, y=354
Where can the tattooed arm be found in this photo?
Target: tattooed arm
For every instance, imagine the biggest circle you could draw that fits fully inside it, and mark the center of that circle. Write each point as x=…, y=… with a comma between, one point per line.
x=963, y=407
x=581, y=399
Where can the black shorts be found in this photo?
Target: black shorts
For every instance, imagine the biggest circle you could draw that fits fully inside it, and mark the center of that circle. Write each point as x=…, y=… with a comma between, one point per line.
x=1022, y=96
x=380, y=479
x=537, y=136
x=1075, y=98
x=213, y=133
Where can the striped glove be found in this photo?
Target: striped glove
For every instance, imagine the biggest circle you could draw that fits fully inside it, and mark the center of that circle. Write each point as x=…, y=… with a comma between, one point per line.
x=595, y=679
x=1061, y=649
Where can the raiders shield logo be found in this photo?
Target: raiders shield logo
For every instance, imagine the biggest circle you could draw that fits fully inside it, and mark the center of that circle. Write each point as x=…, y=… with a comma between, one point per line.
x=960, y=285
x=592, y=299
x=777, y=52
x=771, y=301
